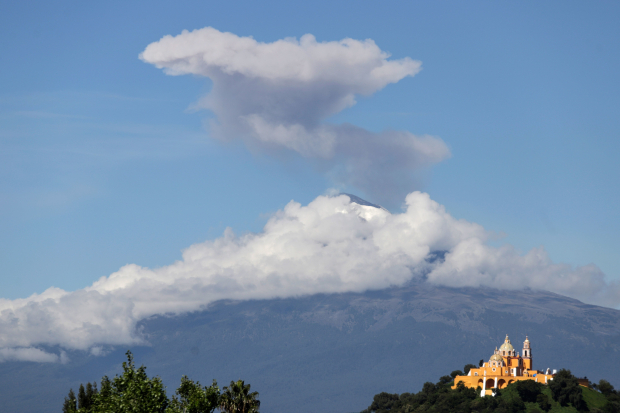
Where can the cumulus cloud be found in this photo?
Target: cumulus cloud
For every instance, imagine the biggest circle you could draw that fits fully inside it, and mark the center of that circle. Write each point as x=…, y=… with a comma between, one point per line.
x=330, y=245
x=276, y=97
x=31, y=354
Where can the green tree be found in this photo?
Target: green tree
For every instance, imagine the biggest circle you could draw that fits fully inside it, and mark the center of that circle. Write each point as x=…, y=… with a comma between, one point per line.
x=611, y=407
x=237, y=398
x=456, y=373
x=612, y=396
x=384, y=402
x=543, y=402
x=445, y=379
x=565, y=389
x=193, y=398
x=91, y=392
x=605, y=387
x=69, y=406
x=86, y=397
x=528, y=390
x=132, y=392
x=81, y=399
x=468, y=367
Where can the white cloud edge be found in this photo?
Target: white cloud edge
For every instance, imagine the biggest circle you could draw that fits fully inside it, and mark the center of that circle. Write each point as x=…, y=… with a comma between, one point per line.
x=328, y=246
x=276, y=98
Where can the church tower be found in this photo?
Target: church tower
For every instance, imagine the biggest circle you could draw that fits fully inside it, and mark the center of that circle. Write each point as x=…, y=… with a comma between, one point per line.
x=527, y=354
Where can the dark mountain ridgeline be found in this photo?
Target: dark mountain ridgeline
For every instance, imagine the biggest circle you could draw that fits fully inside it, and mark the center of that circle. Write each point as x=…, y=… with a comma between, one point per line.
x=331, y=353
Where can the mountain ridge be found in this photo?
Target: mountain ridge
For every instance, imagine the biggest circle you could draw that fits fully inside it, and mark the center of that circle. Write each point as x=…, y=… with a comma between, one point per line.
x=333, y=352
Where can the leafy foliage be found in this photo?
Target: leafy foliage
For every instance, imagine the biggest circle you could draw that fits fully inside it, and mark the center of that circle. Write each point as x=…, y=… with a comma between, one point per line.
x=135, y=392
x=456, y=373
x=565, y=389
x=86, y=396
x=131, y=392
x=519, y=397
x=193, y=398
x=528, y=390
x=543, y=402
x=237, y=398
x=612, y=396
x=467, y=368
x=70, y=406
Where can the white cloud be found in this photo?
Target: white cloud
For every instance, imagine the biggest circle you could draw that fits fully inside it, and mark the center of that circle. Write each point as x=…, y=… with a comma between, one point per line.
x=328, y=246
x=30, y=354
x=276, y=96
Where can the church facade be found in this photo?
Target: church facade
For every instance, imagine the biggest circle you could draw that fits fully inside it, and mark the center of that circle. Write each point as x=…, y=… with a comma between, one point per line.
x=504, y=367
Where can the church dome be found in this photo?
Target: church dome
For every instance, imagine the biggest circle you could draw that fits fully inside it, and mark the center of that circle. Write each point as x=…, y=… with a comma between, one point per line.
x=496, y=357
x=506, y=346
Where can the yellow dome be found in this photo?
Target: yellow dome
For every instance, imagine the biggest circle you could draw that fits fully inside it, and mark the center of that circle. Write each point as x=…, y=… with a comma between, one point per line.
x=506, y=346
x=496, y=357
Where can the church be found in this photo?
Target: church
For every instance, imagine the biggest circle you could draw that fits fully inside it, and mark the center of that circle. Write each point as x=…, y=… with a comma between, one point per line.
x=504, y=367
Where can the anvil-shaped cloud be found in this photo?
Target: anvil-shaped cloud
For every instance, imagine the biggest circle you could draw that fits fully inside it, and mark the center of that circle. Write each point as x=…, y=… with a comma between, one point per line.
x=276, y=96
x=331, y=245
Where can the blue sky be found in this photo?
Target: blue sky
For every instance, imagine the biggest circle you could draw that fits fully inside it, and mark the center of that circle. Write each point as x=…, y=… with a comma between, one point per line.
x=103, y=162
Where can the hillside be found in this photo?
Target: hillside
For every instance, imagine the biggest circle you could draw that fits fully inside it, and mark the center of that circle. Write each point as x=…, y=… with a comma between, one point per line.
x=563, y=395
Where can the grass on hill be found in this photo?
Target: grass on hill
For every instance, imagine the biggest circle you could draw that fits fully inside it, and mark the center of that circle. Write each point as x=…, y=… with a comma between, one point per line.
x=594, y=399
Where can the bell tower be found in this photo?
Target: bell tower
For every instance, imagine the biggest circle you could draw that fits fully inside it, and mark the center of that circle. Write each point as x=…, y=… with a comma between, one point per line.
x=527, y=354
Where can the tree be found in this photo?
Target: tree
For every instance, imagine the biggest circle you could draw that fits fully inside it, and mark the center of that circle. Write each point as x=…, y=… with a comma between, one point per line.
x=605, y=387
x=611, y=407
x=445, y=379
x=135, y=392
x=237, y=398
x=383, y=402
x=132, y=392
x=543, y=402
x=565, y=389
x=528, y=390
x=69, y=406
x=468, y=367
x=86, y=397
x=193, y=398
x=456, y=373
x=480, y=363
x=82, y=398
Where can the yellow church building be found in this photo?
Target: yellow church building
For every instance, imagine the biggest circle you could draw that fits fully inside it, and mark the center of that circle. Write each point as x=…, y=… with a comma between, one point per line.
x=504, y=367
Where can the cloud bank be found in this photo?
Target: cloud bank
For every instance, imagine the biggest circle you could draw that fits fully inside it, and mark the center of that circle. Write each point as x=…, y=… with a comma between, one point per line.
x=276, y=97
x=331, y=245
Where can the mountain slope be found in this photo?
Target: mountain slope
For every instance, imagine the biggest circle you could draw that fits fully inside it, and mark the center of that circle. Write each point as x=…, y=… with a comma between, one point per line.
x=332, y=353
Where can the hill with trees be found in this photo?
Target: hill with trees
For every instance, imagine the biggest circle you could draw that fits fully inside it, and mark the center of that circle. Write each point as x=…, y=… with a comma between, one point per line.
x=562, y=395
